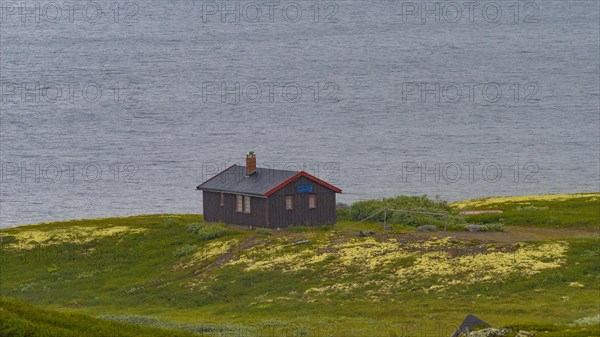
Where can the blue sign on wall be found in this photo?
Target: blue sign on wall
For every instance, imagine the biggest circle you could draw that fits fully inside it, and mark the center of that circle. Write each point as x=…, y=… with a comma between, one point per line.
x=304, y=189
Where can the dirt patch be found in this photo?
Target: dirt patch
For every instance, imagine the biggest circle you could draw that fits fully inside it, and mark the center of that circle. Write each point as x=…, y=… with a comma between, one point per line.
x=520, y=234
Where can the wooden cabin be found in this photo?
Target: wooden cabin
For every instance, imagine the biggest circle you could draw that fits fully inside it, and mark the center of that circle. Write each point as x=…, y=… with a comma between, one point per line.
x=264, y=197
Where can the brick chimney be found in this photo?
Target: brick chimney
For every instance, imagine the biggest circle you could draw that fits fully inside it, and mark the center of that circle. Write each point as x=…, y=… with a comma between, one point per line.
x=250, y=163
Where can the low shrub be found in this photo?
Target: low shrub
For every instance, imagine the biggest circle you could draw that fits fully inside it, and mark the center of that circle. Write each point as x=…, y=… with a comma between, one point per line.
x=170, y=222
x=53, y=268
x=211, y=232
x=7, y=239
x=363, y=209
x=185, y=250
x=27, y=287
x=343, y=211
x=456, y=227
x=196, y=227
x=206, y=232
x=493, y=227
x=531, y=208
x=585, y=321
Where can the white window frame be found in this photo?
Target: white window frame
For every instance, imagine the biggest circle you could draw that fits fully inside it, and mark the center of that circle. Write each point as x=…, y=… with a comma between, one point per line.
x=247, y=202
x=289, y=198
x=312, y=197
x=242, y=203
x=239, y=203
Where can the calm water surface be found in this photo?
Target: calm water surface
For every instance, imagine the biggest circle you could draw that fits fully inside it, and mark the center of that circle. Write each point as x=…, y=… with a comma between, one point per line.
x=122, y=112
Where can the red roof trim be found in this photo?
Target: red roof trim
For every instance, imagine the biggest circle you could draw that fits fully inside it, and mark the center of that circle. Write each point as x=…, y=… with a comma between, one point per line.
x=306, y=175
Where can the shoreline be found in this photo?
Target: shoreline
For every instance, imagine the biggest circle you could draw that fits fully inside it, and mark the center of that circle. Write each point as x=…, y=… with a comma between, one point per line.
x=167, y=214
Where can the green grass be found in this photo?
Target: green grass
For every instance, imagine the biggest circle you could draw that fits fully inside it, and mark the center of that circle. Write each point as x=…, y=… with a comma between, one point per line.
x=154, y=277
x=24, y=320
x=574, y=211
x=551, y=330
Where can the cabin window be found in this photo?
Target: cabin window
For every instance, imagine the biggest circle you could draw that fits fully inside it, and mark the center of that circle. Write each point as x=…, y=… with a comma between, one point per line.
x=222, y=199
x=246, y=204
x=312, y=201
x=239, y=203
x=289, y=203
x=242, y=203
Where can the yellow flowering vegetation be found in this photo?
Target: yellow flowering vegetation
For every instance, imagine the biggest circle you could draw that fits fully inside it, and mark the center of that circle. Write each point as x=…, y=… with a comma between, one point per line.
x=439, y=263
x=369, y=254
x=528, y=259
x=215, y=248
x=208, y=253
x=528, y=198
x=336, y=287
x=282, y=255
x=29, y=239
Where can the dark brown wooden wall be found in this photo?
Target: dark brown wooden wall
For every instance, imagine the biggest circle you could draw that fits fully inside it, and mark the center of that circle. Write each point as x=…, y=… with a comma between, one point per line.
x=324, y=214
x=271, y=212
x=213, y=212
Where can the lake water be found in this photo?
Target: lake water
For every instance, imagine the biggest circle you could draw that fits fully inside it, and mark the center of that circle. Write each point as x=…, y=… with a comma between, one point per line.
x=122, y=108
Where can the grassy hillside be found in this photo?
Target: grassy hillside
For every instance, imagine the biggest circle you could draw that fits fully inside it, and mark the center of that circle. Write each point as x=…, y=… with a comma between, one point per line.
x=554, y=210
x=172, y=271
x=23, y=320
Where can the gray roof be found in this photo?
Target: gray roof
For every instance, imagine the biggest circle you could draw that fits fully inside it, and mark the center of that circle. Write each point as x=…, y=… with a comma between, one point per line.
x=234, y=180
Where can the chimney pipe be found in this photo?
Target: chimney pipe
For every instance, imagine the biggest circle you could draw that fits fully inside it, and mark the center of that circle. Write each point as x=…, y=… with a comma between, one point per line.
x=250, y=163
